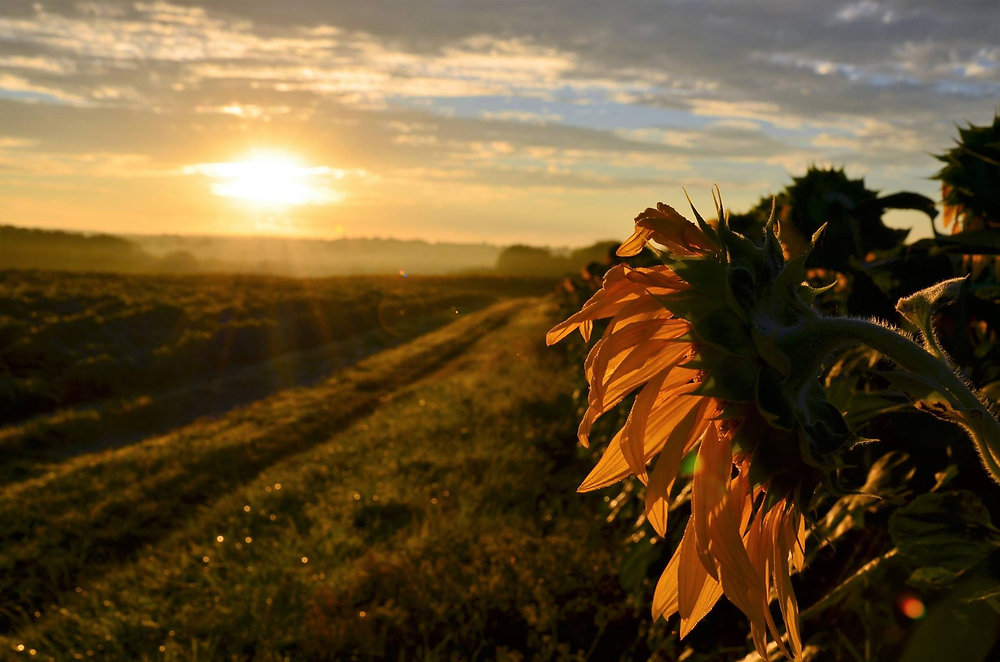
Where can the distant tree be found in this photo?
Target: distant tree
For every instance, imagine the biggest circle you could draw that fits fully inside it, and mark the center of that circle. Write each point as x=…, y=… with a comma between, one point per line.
x=178, y=262
x=524, y=260
x=22, y=248
x=602, y=252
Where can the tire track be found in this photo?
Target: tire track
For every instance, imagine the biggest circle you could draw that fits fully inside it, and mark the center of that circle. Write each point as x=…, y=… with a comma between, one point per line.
x=99, y=510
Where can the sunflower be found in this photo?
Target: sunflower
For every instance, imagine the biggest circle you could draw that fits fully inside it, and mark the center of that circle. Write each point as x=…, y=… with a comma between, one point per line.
x=724, y=351
x=698, y=338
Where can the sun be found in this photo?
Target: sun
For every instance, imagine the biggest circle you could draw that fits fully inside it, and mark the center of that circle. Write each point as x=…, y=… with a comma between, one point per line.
x=271, y=179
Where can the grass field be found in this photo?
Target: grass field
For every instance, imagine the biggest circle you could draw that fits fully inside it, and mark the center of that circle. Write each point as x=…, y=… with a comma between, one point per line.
x=419, y=503
x=75, y=339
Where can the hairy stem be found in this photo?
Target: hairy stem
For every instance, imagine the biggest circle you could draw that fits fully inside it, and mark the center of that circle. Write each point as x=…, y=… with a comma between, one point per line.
x=823, y=335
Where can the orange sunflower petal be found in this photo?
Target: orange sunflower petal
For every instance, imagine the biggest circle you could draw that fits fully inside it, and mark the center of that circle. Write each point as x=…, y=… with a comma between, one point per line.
x=635, y=426
x=713, y=468
x=740, y=580
x=629, y=348
x=605, y=395
x=615, y=293
x=705, y=591
x=679, y=440
x=697, y=590
x=612, y=467
x=657, y=281
x=784, y=541
x=665, y=594
x=759, y=544
x=667, y=227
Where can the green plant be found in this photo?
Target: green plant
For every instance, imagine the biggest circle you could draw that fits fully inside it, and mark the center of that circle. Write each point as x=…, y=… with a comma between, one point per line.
x=851, y=212
x=970, y=179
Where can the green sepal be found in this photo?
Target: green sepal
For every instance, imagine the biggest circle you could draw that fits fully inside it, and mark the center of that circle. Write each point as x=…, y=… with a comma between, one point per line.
x=816, y=236
x=732, y=411
x=768, y=350
x=810, y=293
x=727, y=377
x=752, y=429
x=705, y=275
x=705, y=227
x=772, y=402
x=826, y=429
x=690, y=305
x=741, y=291
x=744, y=253
x=774, y=256
x=792, y=275
x=782, y=488
x=723, y=329
x=774, y=456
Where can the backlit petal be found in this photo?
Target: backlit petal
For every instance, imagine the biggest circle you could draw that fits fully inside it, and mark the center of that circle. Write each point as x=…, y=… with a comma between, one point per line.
x=615, y=293
x=612, y=466
x=784, y=534
x=665, y=226
x=713, y=468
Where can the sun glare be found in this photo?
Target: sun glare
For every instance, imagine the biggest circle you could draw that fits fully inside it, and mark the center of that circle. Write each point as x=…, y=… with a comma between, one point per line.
x=271, y=179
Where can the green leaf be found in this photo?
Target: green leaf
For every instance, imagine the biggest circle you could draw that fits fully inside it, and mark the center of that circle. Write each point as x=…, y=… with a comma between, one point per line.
x=920, y=306
x=906, y=200
x=910, y=383
x=634, y=568
x=981, y=242
x=944, y=534
x=952, y=630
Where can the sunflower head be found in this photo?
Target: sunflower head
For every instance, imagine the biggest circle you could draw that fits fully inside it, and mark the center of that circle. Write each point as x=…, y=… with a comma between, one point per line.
x=715, y=342
x=746, y=308
x=724, y=352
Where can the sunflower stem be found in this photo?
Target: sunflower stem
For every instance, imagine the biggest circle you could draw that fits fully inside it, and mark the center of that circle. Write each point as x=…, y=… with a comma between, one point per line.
x=823, y=335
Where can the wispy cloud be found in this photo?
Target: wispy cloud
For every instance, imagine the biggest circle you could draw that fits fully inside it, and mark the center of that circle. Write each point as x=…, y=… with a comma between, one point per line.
x=530, y=101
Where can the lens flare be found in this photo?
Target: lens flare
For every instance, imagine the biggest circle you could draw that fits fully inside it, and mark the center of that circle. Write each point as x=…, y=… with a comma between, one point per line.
x=912, y=607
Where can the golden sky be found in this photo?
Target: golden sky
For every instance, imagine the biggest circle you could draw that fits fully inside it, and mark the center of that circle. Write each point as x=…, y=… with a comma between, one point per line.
x=538, y=122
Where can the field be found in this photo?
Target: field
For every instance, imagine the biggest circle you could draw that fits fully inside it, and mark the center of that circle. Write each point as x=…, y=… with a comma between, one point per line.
x=405, y=491
x=90, y=361
x=259, y=468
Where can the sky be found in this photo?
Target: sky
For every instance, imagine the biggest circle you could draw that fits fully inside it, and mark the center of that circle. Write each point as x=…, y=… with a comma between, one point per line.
x=531, y=121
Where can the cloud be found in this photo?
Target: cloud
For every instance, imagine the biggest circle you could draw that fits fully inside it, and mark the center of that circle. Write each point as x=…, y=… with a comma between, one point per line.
x=22, y=89
x=521, y=116
x=864, y=10
x=49, y=65
x=16, y=158
x=566, y=98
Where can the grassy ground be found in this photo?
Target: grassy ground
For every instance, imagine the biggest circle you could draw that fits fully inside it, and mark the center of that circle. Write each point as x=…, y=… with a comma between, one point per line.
x=73, y=340
x=420, y=505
